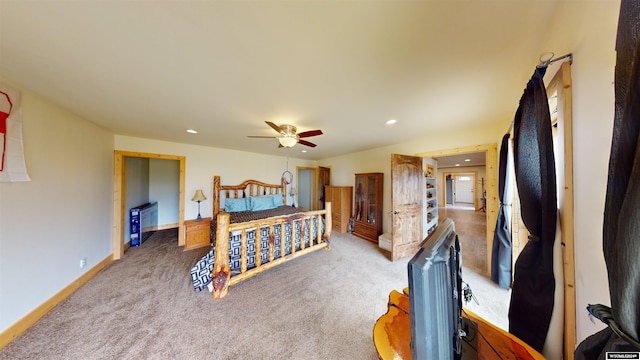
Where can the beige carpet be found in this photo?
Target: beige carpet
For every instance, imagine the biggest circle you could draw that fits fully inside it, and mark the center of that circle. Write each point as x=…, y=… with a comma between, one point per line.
x=321, y=306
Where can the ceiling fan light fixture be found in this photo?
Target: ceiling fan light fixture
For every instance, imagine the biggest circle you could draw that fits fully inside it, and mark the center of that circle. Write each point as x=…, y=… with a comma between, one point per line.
x=287, y=141
x=289, y=136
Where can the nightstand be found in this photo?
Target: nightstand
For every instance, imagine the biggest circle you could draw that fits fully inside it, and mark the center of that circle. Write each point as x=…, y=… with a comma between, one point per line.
x=197, y=233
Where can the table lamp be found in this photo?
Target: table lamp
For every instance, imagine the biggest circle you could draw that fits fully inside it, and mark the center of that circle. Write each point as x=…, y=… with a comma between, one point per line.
x=199, y=196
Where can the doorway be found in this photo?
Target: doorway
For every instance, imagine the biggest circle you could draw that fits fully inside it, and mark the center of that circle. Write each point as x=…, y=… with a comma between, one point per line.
x=461, y=189
x=463, y=197
x=119, y=196
x=306, y=178
x=448, y=190
x=464, y=190
x=490, y=193
x=310, y=186
x=324, y=179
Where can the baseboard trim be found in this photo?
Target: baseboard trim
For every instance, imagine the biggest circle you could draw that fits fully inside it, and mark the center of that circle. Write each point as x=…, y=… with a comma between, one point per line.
x=160, y=227
x=20, y=326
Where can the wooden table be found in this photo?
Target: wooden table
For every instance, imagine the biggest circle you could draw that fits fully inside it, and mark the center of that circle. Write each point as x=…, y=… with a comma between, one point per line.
x=392, y=335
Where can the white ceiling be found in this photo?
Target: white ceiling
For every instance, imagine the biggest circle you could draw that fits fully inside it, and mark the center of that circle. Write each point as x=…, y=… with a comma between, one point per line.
x=473, y=159
x=156, y=68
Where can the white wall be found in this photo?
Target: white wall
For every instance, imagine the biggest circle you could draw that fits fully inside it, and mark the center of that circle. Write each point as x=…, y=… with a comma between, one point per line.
x=202, y=163
x=62, y=215
x=588, y=30
x=164, y=187
x=304, y=186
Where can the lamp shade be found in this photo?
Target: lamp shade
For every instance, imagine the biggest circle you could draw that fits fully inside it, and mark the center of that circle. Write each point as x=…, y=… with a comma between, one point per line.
x=287, y=141
x=199, y=196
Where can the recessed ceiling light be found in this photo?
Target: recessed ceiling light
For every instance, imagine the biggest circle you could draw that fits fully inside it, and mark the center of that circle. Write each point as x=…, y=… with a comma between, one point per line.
x=304, y=150
x=467, y=160
x=457, y=164
x=391, y=122
x=191, y=131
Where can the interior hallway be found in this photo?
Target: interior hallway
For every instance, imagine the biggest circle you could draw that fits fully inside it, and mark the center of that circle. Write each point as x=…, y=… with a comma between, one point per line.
x=493, y=301
x=471, y=227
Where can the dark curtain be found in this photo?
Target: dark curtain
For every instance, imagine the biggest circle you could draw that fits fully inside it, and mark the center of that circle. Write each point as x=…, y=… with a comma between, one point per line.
x=621, y=228
x=501, y=251
x=534, y=284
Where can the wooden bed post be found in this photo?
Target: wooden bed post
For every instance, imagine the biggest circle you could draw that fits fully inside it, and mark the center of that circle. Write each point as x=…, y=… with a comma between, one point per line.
x=328, y=225
x=216, y=196
x=221, y=271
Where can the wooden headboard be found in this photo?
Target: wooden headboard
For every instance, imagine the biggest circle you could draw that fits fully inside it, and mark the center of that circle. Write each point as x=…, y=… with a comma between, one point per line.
x=246, y=188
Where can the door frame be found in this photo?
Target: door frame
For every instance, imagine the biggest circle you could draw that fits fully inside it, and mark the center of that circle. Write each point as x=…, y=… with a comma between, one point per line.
x=119, y=196
x=491, y=168
x=561, y=81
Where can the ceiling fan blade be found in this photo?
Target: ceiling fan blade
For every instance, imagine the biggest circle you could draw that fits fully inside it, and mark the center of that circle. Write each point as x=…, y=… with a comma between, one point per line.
x=310, y=133
x=275, y=127
x=262, y=137
x=305, y=142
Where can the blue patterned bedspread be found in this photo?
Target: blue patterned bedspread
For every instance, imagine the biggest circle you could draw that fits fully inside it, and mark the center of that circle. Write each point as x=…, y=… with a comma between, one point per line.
x=202, y=271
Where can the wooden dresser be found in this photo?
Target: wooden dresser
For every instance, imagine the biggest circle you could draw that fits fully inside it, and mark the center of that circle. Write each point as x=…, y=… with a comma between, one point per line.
x=368, y=206
x=197, y=233
x=340, y=198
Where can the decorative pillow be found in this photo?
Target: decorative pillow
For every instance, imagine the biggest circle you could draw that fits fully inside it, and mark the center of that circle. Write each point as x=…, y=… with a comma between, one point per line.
x=235, y=205
x=264, y=202
x=278, y=200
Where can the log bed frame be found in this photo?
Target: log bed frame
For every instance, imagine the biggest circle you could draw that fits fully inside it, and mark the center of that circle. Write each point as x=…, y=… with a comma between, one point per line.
x=221, y=277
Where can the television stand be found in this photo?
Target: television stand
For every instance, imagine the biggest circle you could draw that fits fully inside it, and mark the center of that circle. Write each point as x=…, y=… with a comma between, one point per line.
x=392, y=335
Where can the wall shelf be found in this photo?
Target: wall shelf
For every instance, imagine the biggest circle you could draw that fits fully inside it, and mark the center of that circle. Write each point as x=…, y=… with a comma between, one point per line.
x=431, y=204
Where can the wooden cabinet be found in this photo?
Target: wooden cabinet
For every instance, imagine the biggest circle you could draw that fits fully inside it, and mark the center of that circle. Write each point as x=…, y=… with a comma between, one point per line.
x=340, y=198
x=368, y=206
x=197, y=233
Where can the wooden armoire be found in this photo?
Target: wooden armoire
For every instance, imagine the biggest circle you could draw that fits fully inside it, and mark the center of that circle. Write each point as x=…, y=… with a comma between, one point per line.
x=367, y=213
x=340, y=198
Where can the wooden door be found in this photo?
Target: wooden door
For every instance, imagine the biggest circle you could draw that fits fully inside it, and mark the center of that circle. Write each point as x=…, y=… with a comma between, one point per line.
x=464, y=189
x=406, y=198
x=324, y=179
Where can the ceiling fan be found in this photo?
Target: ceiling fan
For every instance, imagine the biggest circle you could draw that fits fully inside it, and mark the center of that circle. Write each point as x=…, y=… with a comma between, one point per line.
x=288, y=136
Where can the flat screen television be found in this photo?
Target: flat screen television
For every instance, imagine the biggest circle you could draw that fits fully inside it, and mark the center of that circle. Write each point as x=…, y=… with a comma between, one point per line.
x=435, y=301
